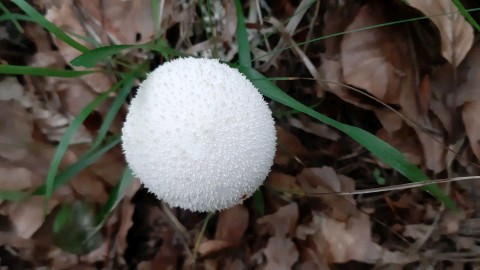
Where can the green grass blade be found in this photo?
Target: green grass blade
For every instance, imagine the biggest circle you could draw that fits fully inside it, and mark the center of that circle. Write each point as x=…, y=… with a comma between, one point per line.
x=259, y=202
x=156, y=18
x=114, y=108
x=14, y=20
x=244, y=56
x=376, y=146
x=91, y=58
x=53, y=29
x=63, y=177
x=115, y=196
x=15, y=16
x=13, y=196
x=465, y=14
x=166, y=51
x=65, y=141
x=39, y=71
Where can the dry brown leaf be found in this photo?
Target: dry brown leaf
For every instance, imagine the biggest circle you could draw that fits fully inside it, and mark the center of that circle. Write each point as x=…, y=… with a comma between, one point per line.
x=331, y=68
x=340, y=242
x=404, y=140
x=375, y=60
x=450, y=222
x=74, y=94
x=434, y=151
x=53, y=124
x=390, y=121
x=283, y=182
x=309, y=260
x=232, y=224
x=118, y=18
x=289, y=147
x=63, y=260
x=126, y=209
x=89, y=186
x=11, y=89
x=443, y=90
x=15, y=136
x=234, y=264
x=107, y=166
x=65, y=18
x=326, y=180
x=416, y=231
x=471, y=119
x=15, y=178
x=469, y=96
x=27, y=215
x=468, y=79
x=321, y=130
x=281, y=253
x=211, y=246
x=456, y=33
x=280, y=223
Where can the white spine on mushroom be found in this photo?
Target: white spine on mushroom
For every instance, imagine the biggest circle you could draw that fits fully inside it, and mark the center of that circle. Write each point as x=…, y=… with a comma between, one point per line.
x=199, y=135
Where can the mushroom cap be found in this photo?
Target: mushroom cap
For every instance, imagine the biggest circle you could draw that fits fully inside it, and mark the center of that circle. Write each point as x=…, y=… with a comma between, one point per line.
x=199, y=135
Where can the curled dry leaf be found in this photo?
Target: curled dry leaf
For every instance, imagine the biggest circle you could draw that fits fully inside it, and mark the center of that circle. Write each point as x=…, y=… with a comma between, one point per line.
x=27, y=215
x=340, y=242
x=231, y=225
x=11, y=89
x=416, y=231
x=89, y=186
x=405, y=140
x=470, y=113
x=281, y=253
x=211, y=246
x=66, y=19
x=376, y=60
x=283, y=182
x=469, y=96
x=390, y=121
x=326, y=180
x=282, y=222
x=15, y=178
x=289, y=146
x=443, y=90
x=321, y=130
x=331, y=67
x=15, y=136
x=125, y=210
x=115, y=19
x=468, y=81
x=434, y=151
x=456, y=33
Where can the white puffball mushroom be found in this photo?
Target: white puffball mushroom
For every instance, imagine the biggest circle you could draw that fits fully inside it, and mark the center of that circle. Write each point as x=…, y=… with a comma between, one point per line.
x=199, y=135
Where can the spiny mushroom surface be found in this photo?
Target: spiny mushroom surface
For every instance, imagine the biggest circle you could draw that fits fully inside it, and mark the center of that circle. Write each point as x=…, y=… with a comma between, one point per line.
x=199, y=135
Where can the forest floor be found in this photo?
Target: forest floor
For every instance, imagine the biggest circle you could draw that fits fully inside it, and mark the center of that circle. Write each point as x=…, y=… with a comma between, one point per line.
x=414, y=83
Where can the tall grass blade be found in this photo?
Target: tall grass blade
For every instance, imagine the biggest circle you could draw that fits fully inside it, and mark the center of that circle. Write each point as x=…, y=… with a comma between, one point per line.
x=89, y=158
x=242, y=37
x=39, y=71
x=466, y=14
x=65, y=141
x=115, y=196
